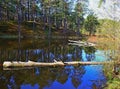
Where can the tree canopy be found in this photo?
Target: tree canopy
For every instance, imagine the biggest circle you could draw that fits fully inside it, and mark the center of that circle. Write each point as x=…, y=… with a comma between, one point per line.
x=51, y=14
x=91, y=23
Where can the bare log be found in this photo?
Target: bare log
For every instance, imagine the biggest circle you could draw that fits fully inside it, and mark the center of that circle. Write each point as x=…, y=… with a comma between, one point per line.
x=87, y=63
x=7, y=64
x=30, y=63
x=81, y=43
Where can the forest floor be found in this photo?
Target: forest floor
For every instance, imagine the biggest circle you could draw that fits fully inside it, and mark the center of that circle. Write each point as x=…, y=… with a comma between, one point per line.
x=10, y=29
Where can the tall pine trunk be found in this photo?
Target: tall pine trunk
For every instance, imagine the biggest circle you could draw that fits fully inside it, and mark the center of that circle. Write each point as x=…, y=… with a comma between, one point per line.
x=0, y=12
x=19, y=28
x=78, y=26
x=55, y=17
x=44, y=18
x=7, y=14
x=49, y=20
x=28, y=10
x=65, y=25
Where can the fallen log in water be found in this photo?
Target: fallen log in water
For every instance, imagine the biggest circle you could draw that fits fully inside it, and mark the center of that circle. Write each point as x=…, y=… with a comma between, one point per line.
x=30, y=63
x=81, y=43
x=7, y=64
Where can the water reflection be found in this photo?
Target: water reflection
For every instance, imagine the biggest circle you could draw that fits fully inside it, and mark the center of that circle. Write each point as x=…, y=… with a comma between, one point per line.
x=68, y=77
x=28, y=86
x=46, y=51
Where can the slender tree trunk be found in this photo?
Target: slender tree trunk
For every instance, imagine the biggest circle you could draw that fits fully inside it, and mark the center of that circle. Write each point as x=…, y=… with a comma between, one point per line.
x=25, y=16
x=55, y=21
x=0, y=12
x=78, y=25
x=19, y=18
x=49, y=19
x=65, y=25
x=19, y=28
x=22, y=13
x=55, y=16
x=7, y=12
x=65, y=20
x=49, y=23
x=28, y=10
x=33, y=15
x=44, y=18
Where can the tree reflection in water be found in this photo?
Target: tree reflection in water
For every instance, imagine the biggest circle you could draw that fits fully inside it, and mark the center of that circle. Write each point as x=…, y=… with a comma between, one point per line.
x=42, y=51
x=68, y=77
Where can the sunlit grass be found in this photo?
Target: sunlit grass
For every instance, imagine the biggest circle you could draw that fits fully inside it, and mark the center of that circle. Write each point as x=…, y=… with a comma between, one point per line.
x=109, y=39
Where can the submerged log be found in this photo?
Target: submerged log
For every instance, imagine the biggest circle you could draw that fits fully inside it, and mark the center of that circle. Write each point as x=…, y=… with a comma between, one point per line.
x=17, y=68
x=7, y=64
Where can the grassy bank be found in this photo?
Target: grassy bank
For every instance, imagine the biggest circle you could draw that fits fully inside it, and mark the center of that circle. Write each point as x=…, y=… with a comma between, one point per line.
x=109, y=39
x=113, y=77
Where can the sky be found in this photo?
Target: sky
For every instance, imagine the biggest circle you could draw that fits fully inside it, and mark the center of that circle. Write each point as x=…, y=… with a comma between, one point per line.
x=107, y=10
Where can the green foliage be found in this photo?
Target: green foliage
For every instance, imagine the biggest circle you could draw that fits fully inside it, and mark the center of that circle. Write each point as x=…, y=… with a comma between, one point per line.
x=91, y=23
x=110, y=30
x=107, y=26
x=55, y=12
x=113, y=81
x=79, y=9
x=113, y=85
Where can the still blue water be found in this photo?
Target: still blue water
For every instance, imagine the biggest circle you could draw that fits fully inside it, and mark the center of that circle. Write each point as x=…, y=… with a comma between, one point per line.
x=93, y=77
x=67, y=77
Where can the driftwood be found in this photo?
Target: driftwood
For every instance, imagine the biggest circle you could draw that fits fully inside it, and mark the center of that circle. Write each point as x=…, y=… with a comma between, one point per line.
x=8, y=64
x=81, y=43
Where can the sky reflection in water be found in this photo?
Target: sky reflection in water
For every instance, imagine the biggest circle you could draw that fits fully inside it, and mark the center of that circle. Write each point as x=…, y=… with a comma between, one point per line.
x=69, y=77
x=93, y=77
